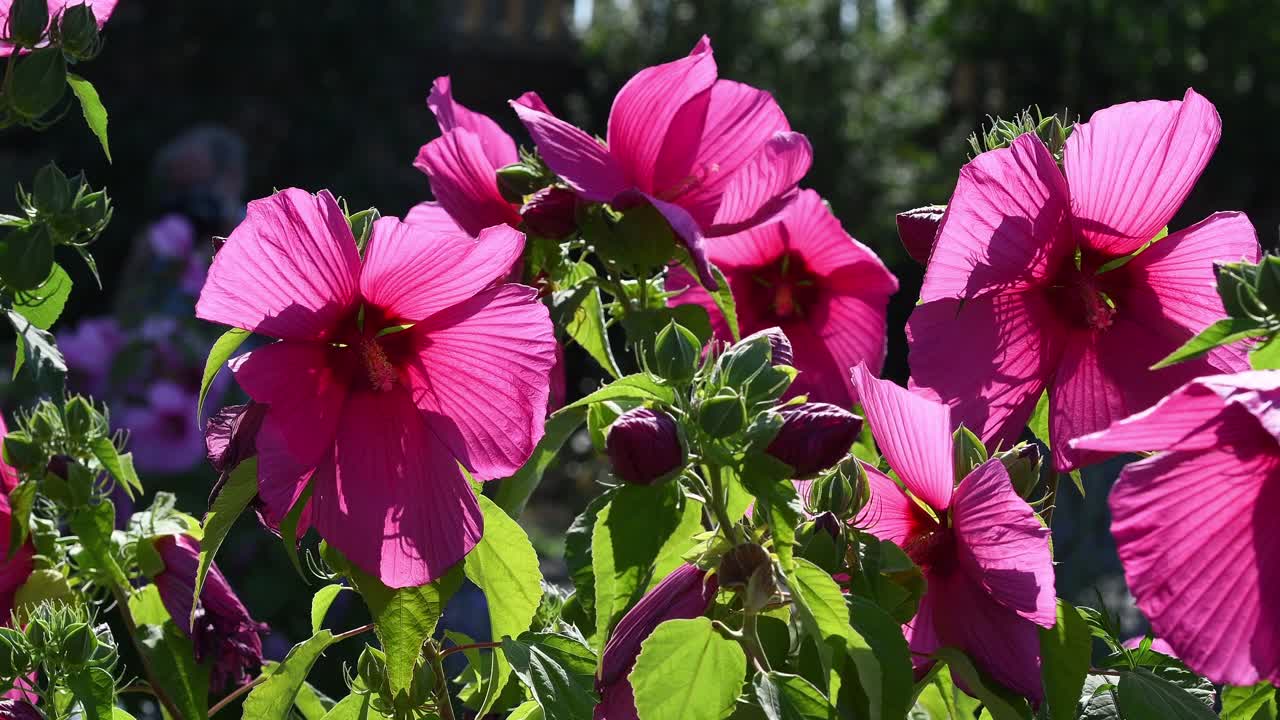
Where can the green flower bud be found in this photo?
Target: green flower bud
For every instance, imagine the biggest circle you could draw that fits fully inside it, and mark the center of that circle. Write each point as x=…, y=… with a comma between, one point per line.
x=37, y=635
x=969, y=452
x=1268, y=283
x=82, y=419
x=78, y=644
x=21, y=452
x=1023, y=462
x=743, y=361
x=93, y=209
x=517, y=180
x=372, y=669
x=39, y=82
x=52, y=190
x=1236, y=283
x=26, y=257
x=676, y=353
x=78, y=32
x=722, y=415
x=14, y=653
x=843, y=492
x=28, y=19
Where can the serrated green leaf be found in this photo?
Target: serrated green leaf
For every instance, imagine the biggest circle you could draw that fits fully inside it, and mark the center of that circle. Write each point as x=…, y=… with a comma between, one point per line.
x=21, y=500
x=1253, y=702
x=95, y=115
x=577, y=553
x=632, y=387
x=38, y=354
x=94, y=525
x=820, y=608
x=1223, y=332
x=687, y=671
x=1141, y=695
x=790, y=697
x=515, y=491
x=353, y=707
x=505, y=566
x=43, y=306
x=562, y=694
x=239, y=489
x=1002, y=704
x=120, y=465
x=403, y=618
x=274, y=698
x=38, y=82
x=219, y=354
x=1065, y=651
x=311, y=703
x=320, y=603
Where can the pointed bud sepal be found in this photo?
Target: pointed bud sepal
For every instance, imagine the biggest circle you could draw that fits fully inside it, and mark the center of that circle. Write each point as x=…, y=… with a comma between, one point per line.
x=723, y=414
x=517, y=180
x=27, y=21
x=969, y=452
x=78, y=33
x=1023, y=463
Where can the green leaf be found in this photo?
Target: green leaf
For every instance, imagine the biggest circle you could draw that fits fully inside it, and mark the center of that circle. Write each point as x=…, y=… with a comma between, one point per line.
x=1223, y=332
x=38, y=82
x=289, y=528
x=577, y=553
x=239, y=489
x=43, y=306
x=170, y=653
x=38, y=354
x=320, y=603
x=687, y=671
x=505, y=566
x=1002, y=704
x=95, y=690
x=879, y=651
x=562, y=694
x=723, y=299
x=527, y=710
x=94, y=524
x=26, y=257
x=820, y=608
x=768, y=479
x=95, y=115
x=1065, y=651
x=119, y=465
x=942, y=700
x=40, y=586
x=628, y=537
x=274, y=698
x=21, y=500
x=515, y=491
x=1254, y=702
x=1267, y=355
x=311, y=703
x=1141, y=695
x=587, y=327
x=221, y=351
x=632, y=387
x=790, y=697
x=353, y=707
x=1039, y=423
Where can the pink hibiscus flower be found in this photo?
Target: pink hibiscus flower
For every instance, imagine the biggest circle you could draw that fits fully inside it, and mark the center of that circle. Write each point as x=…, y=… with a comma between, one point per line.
x=102, y=10
x=804, y=274
x=376, y=416
x=15, y=570
x=1017, y=295
x=981, y=548
x=1205, y=505
x=713, y=156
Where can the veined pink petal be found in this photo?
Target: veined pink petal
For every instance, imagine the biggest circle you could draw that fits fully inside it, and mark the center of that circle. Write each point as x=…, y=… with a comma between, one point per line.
x=690, y=234
x=645, y=112
x=533, y=100
x=1005, y=227
x=889, y=513
x=821, y=377
x=579, y=159
x=282, y=478
x=749, y=249
x=1171, y=284
x=391, y=497
x=480, y=373
x=1201, y=560
x=431, y=214
x=854, y=329
x=1206, y=413
x=817, y=235
x=913, y=433
x=989, y=358
x=692, y=293
x=102, y=10
x=1132, y=165
x=765, y=186
x=15, y=570
x=465, y=182
x=411, y=272
x=305, y=386
x=289, y=270
x=1002, y=545
x=498, y=146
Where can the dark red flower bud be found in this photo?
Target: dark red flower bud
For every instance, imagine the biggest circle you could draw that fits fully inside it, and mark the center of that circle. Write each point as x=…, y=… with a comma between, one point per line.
x=685, y=593
x=644, y=446
x=778, y=343
x=828, y=523
x=917, y=230
x=19, y=710
x=552, y=212
x=230, y=435
x=814, y=436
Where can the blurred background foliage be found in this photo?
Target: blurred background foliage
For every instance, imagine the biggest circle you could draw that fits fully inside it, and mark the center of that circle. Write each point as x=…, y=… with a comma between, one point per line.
x=332, y=95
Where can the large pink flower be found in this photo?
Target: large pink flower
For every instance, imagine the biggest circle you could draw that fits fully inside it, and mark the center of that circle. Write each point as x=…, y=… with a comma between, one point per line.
x=1195, y=524
x=983, y=551
x=102, y=10
x=14, y=570
x=1017, y=298
x=713, y=156
x=804, y=274
x=374, y=415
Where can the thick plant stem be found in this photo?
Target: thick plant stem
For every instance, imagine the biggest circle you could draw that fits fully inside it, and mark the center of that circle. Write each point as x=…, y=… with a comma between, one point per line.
x=122, y=601
x=444, y=704
x=716, y=499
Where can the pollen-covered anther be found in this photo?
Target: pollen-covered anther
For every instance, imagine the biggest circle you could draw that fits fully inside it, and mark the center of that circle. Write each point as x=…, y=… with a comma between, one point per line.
x=377, y=366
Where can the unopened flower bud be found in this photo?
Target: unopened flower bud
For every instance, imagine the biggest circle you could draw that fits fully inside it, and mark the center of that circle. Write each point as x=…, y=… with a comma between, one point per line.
x=644, y=447
x=13, y=653
x=28, y=19
x=51, y=190
x=23, y=453
x=552, y=212
x=722, y=415
x=26, y=256
x=517, y=180
x=78, y=644
x=744, y=360
x=39, y=82
x=371, y=668
x=686, y=593
x=969, y=452
x=763, y=429
x=737, y=565
x=37, y=635
x=78, y=32
x=843, y=492
x=1023, y=462
x=814, y=436
x=830, y=524
x=93, y=209
x=1268, y=283
x=676, y=353
x=19, y=710
x=1236, y=283
x=779, y=345
x=82, y=418
x=917, y=230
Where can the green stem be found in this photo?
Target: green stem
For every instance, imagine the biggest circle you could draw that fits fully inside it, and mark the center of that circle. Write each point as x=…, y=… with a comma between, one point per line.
x=444, y=705
x=716, y=500
x=751, y=640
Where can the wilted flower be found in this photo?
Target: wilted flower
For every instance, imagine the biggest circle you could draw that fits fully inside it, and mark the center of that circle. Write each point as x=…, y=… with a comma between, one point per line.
x=983, y=551
x=1195, y=526
x=827, y=292
x=713, y=156
x=231, y=433
x=684, y=594
x=223, y=631
x=1030, y=286
x=814, y=436
x=102, y=10
x=644, y=446
x=391, y=370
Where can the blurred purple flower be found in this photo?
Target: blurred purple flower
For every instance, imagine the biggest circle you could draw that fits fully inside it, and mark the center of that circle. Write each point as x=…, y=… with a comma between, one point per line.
x=193, y=275
x=172, y=237
x=89, y=350
x=166, y=436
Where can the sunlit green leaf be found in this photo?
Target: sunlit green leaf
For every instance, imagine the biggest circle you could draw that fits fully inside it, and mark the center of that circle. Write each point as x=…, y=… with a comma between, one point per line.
x=687, y=671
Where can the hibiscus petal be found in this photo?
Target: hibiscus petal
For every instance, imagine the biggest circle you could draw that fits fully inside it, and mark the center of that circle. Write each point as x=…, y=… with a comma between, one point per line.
x=765, y=186
x=854, y=329
x=888, y=513
x=433, y=216
x=282, y=478
x=748, y=250
x=579, y=159
x=989, y=358
x=411, y=272
x=1172, y=283
x=1132, y=165
x=1002, y=545
x=289, y=270
x=392, y=497
x=465, y=181
x=913, y=433
x=821, y=377
x=846, y=264
x=692, y=293
x=1005, y=226
x=646, y=115
x=1217, y=610
x=499, y=148
x=480, y=373
x=15, y=570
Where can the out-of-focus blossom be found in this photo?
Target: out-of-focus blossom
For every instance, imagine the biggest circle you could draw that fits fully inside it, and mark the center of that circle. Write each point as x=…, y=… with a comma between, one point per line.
x=983, y=551
x=826, y=291
x=1195, y=525
x=1033, y=283
x=377, y=422
x=90, y=349
x=164, y=434
x=713, y=156
x=224, y=632
x=171, y=237
x=17, y=709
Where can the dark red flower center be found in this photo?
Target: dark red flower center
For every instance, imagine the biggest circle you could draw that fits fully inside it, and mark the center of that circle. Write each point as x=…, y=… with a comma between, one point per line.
x=788, y=289
x=929, y=542
x=1085, y=299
